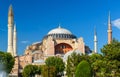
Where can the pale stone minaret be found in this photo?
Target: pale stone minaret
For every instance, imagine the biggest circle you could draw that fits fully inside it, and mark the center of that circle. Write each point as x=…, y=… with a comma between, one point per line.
x=15, y=41
x=10, y=30
x=109, y=30
x=95, y=41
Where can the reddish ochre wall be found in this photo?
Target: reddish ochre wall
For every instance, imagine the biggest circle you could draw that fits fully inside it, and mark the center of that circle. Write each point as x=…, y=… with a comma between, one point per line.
x=62, y=48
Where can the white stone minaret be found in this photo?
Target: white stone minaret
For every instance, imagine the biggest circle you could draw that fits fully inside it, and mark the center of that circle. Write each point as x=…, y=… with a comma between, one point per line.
x=109, y=30
x=10, y=30
x=95, y=41
x=15, y=41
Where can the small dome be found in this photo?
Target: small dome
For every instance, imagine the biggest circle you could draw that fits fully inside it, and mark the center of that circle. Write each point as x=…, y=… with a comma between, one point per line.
x=59, y=30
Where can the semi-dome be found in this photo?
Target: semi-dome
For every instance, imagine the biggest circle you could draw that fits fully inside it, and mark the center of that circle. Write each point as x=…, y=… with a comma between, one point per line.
x=59, y=30
x=60, y=33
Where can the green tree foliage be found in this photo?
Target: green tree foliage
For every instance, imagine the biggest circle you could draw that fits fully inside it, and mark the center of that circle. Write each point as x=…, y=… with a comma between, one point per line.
x=83, y=69
x=31, y=70
x=72, y=61
x=38, y=69
x=94, y=61
x=111, y=53
x=43, y=70
x=57, y=62
x=7, y=60
x=107, y=64
x=95, y=57
x=48, y=71
x=99, y=68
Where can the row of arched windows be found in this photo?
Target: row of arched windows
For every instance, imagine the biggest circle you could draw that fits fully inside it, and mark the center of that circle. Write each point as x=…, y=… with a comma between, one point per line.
x=62, y=36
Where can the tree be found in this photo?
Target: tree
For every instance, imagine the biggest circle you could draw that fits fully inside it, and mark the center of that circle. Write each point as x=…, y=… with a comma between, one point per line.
x=29, y=70
x=48, y=71
x=106, y=64
x=94, y=61
x=99, y=68
x=73, y=60
x=95, y=57
x=43, y=70
x=38, y=69
x=111, y=53
x=57, y=62
x=83, y=69
x=7, y=60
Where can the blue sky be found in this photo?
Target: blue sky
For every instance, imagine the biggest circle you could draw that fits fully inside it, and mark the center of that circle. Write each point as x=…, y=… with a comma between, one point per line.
x=35, y=18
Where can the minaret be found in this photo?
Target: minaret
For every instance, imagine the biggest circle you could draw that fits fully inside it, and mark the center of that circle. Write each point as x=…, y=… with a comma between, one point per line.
x=109, y=30
x=95, y=41
x=10, y=30
x=15, y=41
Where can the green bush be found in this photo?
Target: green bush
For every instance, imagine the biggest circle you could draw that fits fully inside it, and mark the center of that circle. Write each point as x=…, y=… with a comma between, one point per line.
x=83, y=69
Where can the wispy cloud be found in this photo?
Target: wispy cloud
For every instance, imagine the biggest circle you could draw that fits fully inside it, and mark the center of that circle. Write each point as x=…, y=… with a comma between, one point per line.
x=116, y=23
x=25, y=42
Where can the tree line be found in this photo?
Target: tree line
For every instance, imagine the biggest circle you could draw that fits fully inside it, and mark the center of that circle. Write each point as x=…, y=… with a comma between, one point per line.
x=106, y=64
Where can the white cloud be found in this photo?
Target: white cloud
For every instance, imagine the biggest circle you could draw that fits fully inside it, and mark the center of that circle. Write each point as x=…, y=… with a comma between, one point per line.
x=116, y=23
x=24, y=42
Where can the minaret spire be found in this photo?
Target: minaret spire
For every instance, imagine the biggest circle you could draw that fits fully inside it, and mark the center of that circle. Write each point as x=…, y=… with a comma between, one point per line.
x=95, y=41
x=10, y=15
x=109, y=21
x=109, y=29
x=10, y=30
x=15, y=40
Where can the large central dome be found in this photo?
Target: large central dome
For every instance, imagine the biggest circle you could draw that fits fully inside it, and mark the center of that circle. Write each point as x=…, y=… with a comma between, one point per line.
x=59, y=30
x=60, y=33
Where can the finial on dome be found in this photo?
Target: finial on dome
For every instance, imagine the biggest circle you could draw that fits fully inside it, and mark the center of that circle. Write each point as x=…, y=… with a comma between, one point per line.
x=59, y=26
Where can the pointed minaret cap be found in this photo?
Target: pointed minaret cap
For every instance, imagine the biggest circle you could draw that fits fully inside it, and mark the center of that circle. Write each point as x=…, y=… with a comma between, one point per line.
x=10, y=13
x=109, y=21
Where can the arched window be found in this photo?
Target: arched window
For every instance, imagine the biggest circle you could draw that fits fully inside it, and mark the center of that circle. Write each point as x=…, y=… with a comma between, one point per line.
x=62, y=48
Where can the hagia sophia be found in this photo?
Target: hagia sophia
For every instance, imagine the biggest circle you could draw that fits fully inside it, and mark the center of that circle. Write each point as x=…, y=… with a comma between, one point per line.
x=58, y=42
